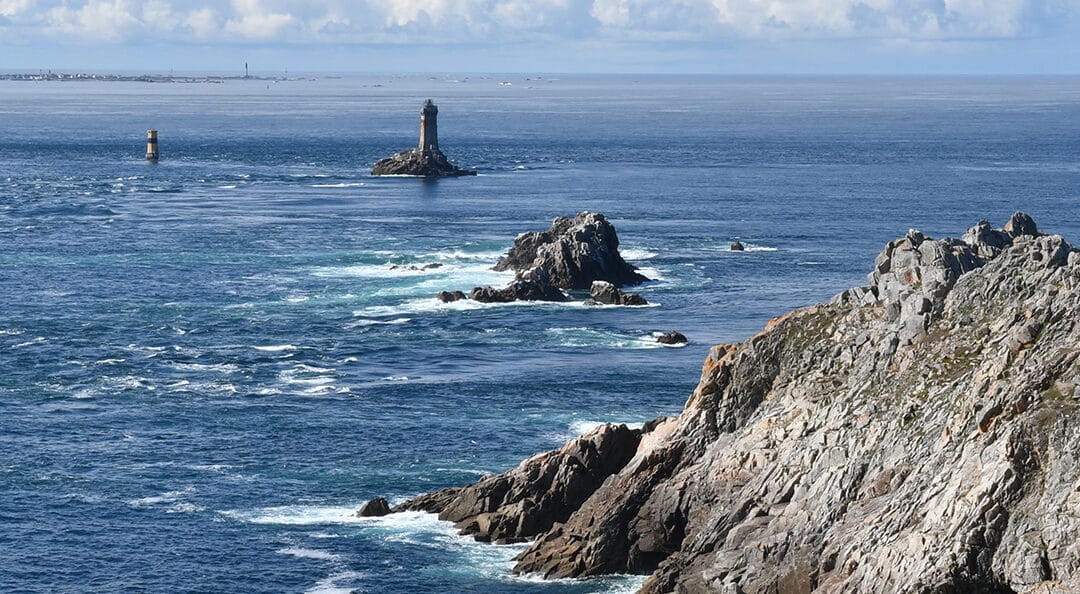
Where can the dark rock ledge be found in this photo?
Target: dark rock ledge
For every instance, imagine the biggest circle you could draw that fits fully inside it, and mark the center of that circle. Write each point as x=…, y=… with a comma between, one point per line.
x=919, y=434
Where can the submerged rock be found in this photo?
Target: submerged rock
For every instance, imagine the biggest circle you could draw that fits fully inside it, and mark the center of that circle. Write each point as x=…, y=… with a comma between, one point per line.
x=608, y=294
x=737, y=246
x=672, y=337
x=575, y=252
x=826, y=453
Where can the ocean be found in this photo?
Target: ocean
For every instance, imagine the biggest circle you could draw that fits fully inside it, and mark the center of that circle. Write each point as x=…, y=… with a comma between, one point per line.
x=209, y=363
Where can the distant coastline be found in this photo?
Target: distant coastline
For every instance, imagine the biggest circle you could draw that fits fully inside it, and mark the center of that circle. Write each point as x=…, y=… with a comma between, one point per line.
x=147, y=78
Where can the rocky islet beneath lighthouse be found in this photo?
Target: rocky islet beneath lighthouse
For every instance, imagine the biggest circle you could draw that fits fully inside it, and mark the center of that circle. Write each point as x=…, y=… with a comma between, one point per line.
x=426, y=160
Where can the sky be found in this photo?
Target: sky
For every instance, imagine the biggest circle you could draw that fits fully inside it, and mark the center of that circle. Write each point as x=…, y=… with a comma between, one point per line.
x=558, y=36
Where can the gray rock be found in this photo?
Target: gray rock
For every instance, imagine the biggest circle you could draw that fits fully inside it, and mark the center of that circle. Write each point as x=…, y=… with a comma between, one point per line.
x=608, y=294
x=847, y=449
x=737, y=246
x=450, y=296
x=575, y=252
x=540, y=492
x=375, y=508
x=529, y=285
x=430, y=163
x=672, y=337
x=1021, y=224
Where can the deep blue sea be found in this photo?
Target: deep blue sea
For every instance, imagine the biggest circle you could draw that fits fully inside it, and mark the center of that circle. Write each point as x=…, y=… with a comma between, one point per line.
x=208, y=364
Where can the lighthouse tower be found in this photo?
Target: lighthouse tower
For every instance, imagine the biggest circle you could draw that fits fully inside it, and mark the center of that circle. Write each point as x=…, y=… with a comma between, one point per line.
x=429, y=128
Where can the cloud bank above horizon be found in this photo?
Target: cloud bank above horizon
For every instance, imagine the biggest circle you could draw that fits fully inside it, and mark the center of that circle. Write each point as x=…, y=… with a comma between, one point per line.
x=639, y=24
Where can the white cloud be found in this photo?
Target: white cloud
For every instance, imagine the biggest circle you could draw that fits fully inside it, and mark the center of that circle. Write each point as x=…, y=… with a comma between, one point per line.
x=253, y=21
x=485, y=21
x=10, y=8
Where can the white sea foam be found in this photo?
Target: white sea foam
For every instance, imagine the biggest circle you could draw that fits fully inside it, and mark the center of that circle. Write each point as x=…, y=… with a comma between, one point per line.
x=396, y=378
x=184, y=508
x=218, y=367
x=38, y=340
x=307, y=553
x=109, y=362
x=432, y=305
x=229, y=187
x=331, y=584
x=367, y=322
x=297, y=298
x=637, y=254
x=590, y=337
x=299, y=515
x=275, y=348
x=341, y=185
x=167, y=497
x=651, y=273
x=211, y=467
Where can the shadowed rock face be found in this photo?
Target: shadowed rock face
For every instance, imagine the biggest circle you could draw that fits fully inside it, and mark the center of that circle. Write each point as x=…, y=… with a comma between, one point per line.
x=430, y=163
x=543, y=490
x=575, y=252
x=845, y=448
x=529, y=285
x=608, y=294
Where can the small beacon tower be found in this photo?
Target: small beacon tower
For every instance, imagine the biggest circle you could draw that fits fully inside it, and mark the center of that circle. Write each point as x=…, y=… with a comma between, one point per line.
x=429, y=128
x=151, y=146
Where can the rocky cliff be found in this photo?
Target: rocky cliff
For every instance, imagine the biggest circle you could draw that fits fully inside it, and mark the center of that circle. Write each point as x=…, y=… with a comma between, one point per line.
x=917, y=434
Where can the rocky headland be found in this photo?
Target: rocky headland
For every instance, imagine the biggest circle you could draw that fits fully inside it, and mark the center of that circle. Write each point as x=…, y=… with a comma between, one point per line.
x=920, y=433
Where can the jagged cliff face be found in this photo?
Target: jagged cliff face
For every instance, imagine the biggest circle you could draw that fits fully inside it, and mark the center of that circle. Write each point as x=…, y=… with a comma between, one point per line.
x=919, y=434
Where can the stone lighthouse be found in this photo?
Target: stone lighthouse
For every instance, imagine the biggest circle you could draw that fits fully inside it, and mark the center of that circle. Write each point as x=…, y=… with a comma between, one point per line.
x=429, y=128
x=425, y=160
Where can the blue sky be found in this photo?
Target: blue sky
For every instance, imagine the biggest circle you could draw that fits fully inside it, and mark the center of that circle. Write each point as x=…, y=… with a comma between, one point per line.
x=685, y=36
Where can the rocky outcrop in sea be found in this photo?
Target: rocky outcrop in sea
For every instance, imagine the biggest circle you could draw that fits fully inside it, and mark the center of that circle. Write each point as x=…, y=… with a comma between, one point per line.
x=578, y=253
x=419, y=163
x=917, y=434
x=575, y=252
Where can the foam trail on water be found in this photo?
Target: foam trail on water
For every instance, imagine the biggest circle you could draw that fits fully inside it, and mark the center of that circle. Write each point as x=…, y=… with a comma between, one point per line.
x=590, y=337
x=303, y=553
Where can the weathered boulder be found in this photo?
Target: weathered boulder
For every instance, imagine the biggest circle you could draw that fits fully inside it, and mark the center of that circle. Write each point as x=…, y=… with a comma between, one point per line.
x=539, y=493
x=529, y=285
x=737, y=246
x=415, y=162
x=608, y=294
x=672, y=337
x=575, y=252
x=375, y=508
x=450, y=296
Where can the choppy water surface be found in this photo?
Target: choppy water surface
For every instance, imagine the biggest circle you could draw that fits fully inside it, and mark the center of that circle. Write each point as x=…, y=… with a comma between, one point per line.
x=206, y=365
